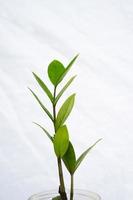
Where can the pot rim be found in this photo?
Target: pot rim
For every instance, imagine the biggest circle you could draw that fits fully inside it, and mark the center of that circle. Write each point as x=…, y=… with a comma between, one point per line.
x=77, y=191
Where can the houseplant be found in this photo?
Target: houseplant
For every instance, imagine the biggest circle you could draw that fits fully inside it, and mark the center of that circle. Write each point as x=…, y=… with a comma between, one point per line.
x=63, y=147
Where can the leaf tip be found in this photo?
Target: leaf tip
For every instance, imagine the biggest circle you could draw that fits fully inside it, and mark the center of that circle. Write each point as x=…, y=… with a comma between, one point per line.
x=29, y=88
x=100, y=139
x=74, y=76
x=74, y=95
x=33, y=73
x=77, y=55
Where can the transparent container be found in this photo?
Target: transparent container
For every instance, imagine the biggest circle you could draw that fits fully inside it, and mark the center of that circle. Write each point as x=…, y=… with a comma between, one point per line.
x=78, y=195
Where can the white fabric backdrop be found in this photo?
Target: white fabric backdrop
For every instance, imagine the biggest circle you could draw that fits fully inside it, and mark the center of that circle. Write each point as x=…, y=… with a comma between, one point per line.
x=32, y=33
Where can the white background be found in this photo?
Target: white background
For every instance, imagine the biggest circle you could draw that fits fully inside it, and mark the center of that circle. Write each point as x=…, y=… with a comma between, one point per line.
x=32, y=34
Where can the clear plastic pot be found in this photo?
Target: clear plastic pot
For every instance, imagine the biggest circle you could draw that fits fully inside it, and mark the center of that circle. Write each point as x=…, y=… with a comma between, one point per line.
x=78, y=195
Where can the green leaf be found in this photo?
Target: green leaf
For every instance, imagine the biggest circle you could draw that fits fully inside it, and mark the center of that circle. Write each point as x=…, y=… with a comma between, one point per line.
x=61, y=141
x=67, y=69
x=45, y=131
x=63, y=89
x=43, y=107
x=83, y=155
x=44, y=87
x=65, y=111
x=70, y=159
x=55, y=70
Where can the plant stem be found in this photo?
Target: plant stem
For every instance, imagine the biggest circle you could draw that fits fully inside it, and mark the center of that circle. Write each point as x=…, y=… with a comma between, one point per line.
x=72, y=187
x=60, y=171
x=62, y=185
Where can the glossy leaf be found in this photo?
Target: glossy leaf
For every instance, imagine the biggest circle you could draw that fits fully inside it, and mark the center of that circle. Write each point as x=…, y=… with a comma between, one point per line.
x=70, y=159
x=63, y=89
x=45, y=131
x=67, y=69
x=55, y=71
x=65, y=111
x=83, y=155
x=44, y=87
x=43, y=107
x=61, y=141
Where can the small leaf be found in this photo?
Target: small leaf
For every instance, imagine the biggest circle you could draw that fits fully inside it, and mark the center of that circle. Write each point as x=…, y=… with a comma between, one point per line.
x=55, y=70
x=61, y=141
x=70, y=159
x=63, y=89
x=65, y=111
x=45, y=131
x=43, y=107
x=83, y=155
x=67, y=69
x=44, y=87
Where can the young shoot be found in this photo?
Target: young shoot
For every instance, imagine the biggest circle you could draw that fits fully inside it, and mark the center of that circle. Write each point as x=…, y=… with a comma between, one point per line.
x=60, y=139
